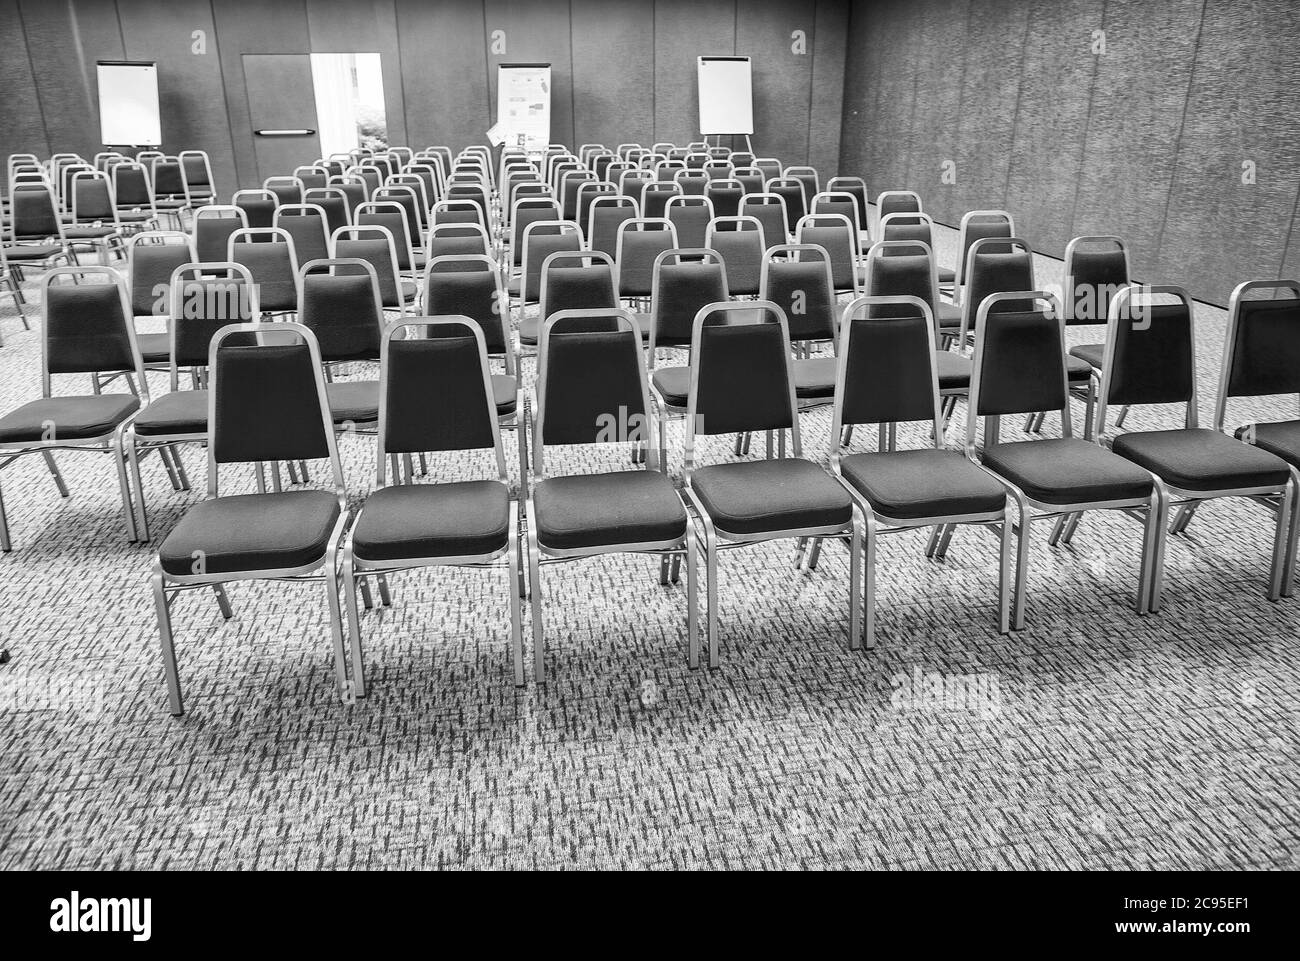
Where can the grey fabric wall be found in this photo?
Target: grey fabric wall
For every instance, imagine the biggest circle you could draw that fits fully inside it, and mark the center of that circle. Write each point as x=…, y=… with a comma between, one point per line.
x=622, y=69
x=1146, y=141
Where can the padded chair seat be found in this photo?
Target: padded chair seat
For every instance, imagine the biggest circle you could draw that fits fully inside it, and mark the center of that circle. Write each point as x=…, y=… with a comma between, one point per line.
x=1281, y=438
x=814, y=378
x=1068, y=471
x=756, y=497
x=1202, y=460
x=673, y=384
x=947, y=275
x=88, y=232
x=599, y=510
x=410, y=521
x=514, y=285
x=70, y=418
x=252, y=532
x=1078, y=370
x=947, y=315
x=180, y=412
x=155, y=348
x=910, y=484
x=410, y=290
x=954, y=370
x=20, y=253
x=505, y=393
x=353, y=400
x=1091, y=354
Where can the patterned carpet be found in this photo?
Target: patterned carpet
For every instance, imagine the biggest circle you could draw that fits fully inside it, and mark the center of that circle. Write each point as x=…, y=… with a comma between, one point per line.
x=1094, y=739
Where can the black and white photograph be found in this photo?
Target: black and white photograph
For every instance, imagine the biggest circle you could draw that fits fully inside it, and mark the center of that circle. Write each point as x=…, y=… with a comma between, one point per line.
x=650, y=436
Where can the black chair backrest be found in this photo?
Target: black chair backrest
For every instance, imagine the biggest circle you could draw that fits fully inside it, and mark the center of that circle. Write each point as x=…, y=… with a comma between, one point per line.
x=570, y=283
x=898, y=202
x=791, y=191
x=685, y=281
x=637, y=250
x=91, y=199
x=33, y=214
x=273, y=265
x=691, y=216
x=201, y=306
x=837, y=237
x=589, y=367
x=376, y=250
x=1265, y=346
x=435, y=394
x=740, y=243
x=1152, y=361
x=342, y=310
x=168, y=180
x=539, y=243
x=725, y=196
x=151, y=274
x=767, y=210
x=456, y=242
x=1019, y=361
x=802, y=287
x=1094, y=277
x=887, y=361
x=260, y=210
x=396, y=223
x=467, y=287
x=131, y=185
x=266, y=404
x=212, y=235
x=741, y=373
x=603, y=220
x=85, y=329
x=980, y=225
x=309, y=230
x=992, y=271
x=902, y=271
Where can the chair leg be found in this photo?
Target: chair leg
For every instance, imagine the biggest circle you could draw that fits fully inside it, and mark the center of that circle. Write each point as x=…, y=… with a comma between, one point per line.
x=942, y=552
x=124, y=485
x=141, y=513
x=1184, y=518
x=515, y=587
x=1022, y=563
x=1054, y=538
x=168, y=650
x=813, y=555
x=869, y=538
x=354, y=623
x=1281, y=542
x=385, y=597
x=847, y=439
x=179, y=464
x=535, y=589
x=331, y=579
x=855, y=581
x=5, y=544
x=1150, y=552
x=1158, y=561
x=692, y=599
x=365, y=594
x=1004, y=573
x=223, y=602
x=54, y=472
x=1071, y=527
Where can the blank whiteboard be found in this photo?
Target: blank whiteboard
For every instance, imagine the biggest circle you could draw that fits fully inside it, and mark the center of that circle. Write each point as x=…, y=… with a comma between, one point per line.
x=726, y=100
x=128, y=104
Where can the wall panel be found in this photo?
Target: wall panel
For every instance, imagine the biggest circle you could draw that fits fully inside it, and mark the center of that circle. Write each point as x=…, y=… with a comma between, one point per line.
x=22, y=129
x=191, y=94
x=613, y=71
x=936, y=107
x=1128, y=162
x=443, y=50
x=829, y=45
x=1241, y=107
x=536, y=30
x=1057, y=70
x=685, y=30
x=782, y=79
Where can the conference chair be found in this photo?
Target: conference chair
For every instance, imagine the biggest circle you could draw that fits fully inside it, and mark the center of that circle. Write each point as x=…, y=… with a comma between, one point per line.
x=835, y=234
x=791, y=192
x=588, y=192
x=309, y=228
x=526, y=211
x=93, y=224
x=376, y=247
x=1151, y=359
x=196, y=169
x=9, y=284
x=684, y=282
x=152, y=258
x=457, y=212
x=311, y=175
x=844, y=204
x=435, y=397
x=769, y=210
x=342, y=307
x=977, y=225
x=725, y=195
x=655, y=196
x=571, y=280
x=886, y=375
x=898, y=202
x=739, y=241
x=451, y=240
x=393, y=217
x=200, y=301
x=408, y=200
x=266, y=404
x=799, y=278
x=998, y=265
x=541, y=239
x=742, y=381
x=806, y=176
x=1096, y=269
x=212, y=226
x=258, y=206
x=1261, y=358
x=36, y=232
x=86, y=329
x=170, y=193
x=856, y=188
x=1019, y=368
x=750, y=179
x=354, y=189
x=333, y=202
x=591, y=390
x=920, y=227
x=639, y=242
x=692, y=182
x=271, y=258
x=606, y=214
x=906, y=268
x=770, y=167
x=691, y=216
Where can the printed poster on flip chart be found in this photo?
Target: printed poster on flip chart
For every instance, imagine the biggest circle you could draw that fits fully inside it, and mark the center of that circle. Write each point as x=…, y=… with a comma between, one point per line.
x=524, y=106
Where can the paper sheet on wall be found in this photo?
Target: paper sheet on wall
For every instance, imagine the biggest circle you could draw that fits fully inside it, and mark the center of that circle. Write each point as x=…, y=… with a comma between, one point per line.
x=524, y=105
